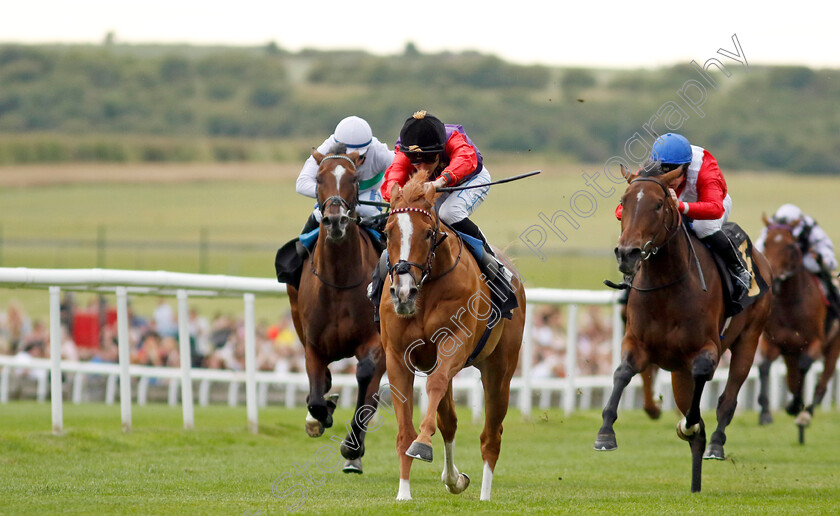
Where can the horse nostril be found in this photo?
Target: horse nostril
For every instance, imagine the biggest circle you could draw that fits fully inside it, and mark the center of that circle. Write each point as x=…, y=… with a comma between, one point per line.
x=327, y=221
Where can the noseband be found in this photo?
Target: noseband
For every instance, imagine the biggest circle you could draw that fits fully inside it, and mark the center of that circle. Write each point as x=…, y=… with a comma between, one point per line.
x=647, y=250
x=337, y=199
x=404, y=266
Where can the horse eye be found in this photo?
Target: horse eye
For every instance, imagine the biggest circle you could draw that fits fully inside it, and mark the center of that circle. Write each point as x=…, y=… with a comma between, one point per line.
x=659, y=206
x=429, y=234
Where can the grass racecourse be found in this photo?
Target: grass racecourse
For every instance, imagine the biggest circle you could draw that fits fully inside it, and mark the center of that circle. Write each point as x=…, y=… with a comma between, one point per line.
x=547, y=466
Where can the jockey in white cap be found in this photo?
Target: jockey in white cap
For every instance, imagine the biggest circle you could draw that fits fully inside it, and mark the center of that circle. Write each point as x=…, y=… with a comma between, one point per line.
x=356, y=135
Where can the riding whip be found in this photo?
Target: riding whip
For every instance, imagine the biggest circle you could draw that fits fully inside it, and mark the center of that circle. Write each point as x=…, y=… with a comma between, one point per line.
x=500, y=181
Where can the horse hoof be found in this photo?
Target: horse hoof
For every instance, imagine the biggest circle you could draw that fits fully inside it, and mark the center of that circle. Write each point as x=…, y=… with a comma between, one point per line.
x=793, y=408
x=419, y=450
x=314, y=428
x=605, y=442
x=461, y=485
x=349, y=453
x=714, y=451
x=353, y=466
x=654, y=412
x=686, y=432
x=765, y=418
x=803, y=419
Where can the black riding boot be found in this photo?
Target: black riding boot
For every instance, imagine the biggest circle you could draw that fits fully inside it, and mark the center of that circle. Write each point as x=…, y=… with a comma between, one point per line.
x=833, y=296
x=493, y=269
x=489, y=265
x=377, y=280
x=310, y=225
x=720, y=244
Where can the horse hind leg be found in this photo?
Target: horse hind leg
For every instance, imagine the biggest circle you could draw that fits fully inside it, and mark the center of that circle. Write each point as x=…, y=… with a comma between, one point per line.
x=455, y=481
x=743, y=355
x=648, y=381
x=830, y=361
x=764, y=415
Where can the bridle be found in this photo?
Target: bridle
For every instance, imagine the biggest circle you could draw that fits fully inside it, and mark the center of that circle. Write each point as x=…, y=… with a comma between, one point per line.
x=647, y=250
x=322, y=206
x=405, y=266
x=337, y=199
x=781, y=278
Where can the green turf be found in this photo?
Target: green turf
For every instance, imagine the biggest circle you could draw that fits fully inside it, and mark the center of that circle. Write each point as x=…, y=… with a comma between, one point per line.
x=547, y=466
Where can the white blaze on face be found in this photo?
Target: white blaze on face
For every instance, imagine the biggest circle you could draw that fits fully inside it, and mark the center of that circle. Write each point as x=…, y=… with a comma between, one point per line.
x=338, y=172
x=404, y=281
x=778, y=238
x=640, y=195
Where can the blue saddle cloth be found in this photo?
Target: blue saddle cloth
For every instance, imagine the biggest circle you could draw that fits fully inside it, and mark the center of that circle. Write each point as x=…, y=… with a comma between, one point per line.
x=309, y=239
x=475, y=246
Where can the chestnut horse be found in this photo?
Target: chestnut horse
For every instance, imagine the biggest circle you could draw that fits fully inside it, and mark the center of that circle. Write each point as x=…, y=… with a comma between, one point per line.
x=434, y=311
x=673, y=322
x=330, y=309
x=796, y=327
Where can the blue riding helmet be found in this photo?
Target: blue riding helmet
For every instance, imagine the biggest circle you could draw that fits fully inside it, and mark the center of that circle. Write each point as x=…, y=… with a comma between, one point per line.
x=671, y=148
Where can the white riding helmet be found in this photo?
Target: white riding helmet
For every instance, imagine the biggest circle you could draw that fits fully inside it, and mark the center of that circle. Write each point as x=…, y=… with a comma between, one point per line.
x=355, y=133
x=787, y=214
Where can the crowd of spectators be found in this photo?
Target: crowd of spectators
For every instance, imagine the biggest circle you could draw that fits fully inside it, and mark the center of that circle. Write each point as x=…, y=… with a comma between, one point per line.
x=218, y=341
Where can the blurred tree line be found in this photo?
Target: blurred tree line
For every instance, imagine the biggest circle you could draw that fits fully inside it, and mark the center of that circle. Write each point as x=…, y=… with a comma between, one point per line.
x=127, y=103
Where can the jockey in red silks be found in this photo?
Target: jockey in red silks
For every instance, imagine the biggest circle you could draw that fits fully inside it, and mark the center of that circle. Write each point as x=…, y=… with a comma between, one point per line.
x=451, y=158
x=701, y=195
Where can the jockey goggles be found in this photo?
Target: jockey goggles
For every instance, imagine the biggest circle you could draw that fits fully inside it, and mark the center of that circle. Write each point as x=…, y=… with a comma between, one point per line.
x=417, y=158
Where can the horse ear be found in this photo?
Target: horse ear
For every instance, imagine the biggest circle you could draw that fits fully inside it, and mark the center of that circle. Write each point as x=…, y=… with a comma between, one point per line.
x=796, y=222
x=317, y=155
x=430, y=193
x=765, y=219
x=357, y=159
x=626, y=173
x=395, y=192
x=671, y=176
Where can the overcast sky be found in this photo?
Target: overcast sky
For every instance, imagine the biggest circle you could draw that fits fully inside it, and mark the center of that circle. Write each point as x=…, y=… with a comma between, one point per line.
x=606, y=33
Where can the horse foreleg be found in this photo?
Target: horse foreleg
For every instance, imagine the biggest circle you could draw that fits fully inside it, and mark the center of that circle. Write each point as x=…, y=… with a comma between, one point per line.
x=319, y=415
x=455, y=481
x=402, y=399
x=437, y=385
x=368, y=374
x=797, y=369
x=688, y=390
x=605, y=441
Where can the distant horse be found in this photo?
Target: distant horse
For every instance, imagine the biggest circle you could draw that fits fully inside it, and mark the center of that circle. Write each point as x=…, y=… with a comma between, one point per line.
x=796, y=327
x=434, y=312
x=673, y=322
x=330, y=309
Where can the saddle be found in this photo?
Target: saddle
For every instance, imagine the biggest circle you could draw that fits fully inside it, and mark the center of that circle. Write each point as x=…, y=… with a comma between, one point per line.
x=501, y=292
x=758, y=287
x=288, y=262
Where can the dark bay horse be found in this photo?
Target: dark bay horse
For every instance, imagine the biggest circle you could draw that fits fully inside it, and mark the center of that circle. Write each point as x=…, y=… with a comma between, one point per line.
x=330, y=309
x=673, y=322
x=434, y=310
x=796, y=327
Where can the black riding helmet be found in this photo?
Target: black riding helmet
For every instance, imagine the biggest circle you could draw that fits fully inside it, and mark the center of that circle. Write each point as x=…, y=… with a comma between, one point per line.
x=422, y=136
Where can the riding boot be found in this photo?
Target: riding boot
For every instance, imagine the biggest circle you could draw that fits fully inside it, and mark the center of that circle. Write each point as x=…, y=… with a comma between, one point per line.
x=311, y=224
x=720, y=244
x=377, y=280
x=831, y=294
x=494, y=270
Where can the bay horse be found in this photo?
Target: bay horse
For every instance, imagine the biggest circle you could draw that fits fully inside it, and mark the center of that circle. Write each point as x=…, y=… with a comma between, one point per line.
x=434, y=310
x=796, y=327
x=330, y=310
x=673, y=322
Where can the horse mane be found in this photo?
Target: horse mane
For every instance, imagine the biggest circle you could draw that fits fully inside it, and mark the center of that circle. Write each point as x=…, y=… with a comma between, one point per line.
x=414, y=189
x=651, y=168
x=338, y=148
